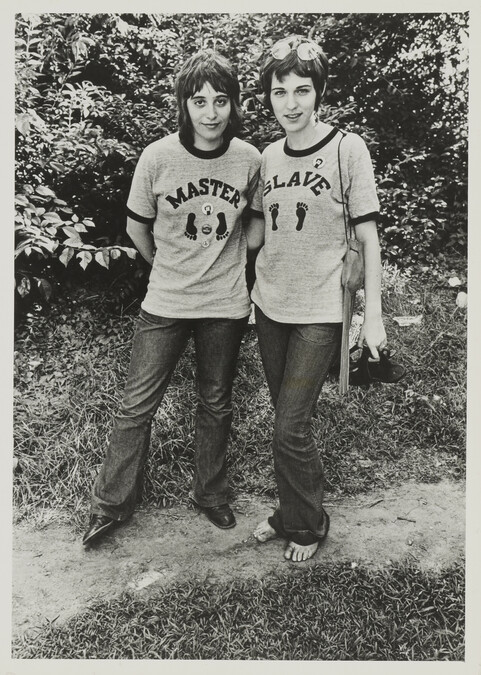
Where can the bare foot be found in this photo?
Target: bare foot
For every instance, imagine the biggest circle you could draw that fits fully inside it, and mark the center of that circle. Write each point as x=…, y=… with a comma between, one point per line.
x=299, y=553
x=264, y=532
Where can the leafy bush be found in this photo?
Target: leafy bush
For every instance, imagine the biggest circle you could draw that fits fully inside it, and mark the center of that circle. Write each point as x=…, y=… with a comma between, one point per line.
x=94, y=89
x=43, y=225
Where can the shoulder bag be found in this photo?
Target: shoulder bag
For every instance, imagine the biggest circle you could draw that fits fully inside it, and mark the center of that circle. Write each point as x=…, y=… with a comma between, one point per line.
x=352, y=279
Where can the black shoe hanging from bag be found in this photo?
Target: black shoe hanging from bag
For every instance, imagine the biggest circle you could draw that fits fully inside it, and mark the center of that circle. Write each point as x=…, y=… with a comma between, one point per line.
x=365, y=370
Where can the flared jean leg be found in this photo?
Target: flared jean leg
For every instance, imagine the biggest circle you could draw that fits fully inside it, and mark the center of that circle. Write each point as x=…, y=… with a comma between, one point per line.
x=296, y=359
x=217, y=343
x=157, y=345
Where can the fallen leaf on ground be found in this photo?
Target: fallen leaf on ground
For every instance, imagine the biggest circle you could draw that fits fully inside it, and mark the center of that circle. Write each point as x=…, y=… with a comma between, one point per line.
x=462, y=299
x=408, y=320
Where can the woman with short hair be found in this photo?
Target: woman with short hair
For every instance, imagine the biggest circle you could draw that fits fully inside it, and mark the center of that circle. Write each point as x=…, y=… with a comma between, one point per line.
x=188, y=195
x=311, y=180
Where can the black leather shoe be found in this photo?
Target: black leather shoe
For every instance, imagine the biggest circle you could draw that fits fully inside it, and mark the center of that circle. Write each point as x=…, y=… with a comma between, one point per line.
x=98, y=525
x=221, y=516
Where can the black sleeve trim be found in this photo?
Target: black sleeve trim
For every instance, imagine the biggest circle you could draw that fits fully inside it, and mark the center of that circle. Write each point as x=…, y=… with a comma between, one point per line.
x=374, y=215
x=254, y=212
x=140, y=219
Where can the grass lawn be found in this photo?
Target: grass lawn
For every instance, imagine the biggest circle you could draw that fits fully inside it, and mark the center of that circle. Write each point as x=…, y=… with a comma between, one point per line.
x=336, y=613
x=71, y=364
x=70, y=367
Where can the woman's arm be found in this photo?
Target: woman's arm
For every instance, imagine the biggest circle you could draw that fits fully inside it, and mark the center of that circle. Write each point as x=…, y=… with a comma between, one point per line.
x=142, y=237
x=255, y=232
x=372, y=331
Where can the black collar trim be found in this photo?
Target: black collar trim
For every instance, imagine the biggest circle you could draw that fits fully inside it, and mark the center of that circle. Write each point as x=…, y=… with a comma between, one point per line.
x=208, y=154
x=314, y=148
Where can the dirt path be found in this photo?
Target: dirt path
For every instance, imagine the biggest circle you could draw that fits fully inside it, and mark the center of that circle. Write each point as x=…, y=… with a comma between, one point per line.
x=54, y=577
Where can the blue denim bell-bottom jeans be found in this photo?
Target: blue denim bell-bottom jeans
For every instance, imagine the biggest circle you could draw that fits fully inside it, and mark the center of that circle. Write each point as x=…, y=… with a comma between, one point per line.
x=297, y=359
x=157, y=346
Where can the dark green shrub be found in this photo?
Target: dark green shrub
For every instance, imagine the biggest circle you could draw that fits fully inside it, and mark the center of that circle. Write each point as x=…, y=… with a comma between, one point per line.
x=94, y=89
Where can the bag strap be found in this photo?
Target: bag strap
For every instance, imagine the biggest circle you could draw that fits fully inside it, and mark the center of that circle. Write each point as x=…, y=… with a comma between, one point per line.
x=348, y=236
x=347, y=300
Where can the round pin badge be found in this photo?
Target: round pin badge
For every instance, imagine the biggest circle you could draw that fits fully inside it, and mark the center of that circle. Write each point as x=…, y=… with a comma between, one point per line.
x=206, y=229
x=205, y=243
x=207, y=208
x=318, y=162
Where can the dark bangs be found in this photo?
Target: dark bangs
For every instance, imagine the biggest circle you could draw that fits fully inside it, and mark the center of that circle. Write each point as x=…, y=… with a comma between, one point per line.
x=209, y=67
x=209, y=70
x=315, y=69
x=292, y=64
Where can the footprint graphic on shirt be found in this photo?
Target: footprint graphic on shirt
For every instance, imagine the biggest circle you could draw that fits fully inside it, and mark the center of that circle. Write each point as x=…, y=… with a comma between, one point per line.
x=190, y=228
x=301, y=214
x=274, y=209
x=221, y=231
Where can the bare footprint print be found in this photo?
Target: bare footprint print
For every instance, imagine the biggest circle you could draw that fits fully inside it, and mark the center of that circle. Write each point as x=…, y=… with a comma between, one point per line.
x=221, y=231
x=301, y=214
x=274, y=209
x=190, y=228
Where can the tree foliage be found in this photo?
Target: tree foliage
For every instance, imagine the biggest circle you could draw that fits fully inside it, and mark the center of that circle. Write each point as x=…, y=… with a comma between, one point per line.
x=94, y=89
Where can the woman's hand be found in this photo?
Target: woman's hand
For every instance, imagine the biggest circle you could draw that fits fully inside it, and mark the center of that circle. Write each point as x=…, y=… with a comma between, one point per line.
x=372, y=332
x=143, y=239
x=254, y=230
x=373, y=335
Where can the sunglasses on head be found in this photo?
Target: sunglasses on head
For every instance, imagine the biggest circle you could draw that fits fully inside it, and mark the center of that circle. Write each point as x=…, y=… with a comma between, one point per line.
x=306, y=51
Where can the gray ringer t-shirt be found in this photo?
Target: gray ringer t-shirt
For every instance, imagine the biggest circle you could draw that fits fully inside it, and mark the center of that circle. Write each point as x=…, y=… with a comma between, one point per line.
x=195, y=200
x=299, y=268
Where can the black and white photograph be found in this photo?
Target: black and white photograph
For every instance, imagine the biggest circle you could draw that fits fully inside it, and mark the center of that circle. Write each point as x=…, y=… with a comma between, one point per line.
x=239, y=327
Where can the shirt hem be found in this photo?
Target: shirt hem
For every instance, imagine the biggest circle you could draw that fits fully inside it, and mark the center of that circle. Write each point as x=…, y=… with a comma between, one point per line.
x=141, y=219
x=196, y=314
x=374, y=215
x=297, y=319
